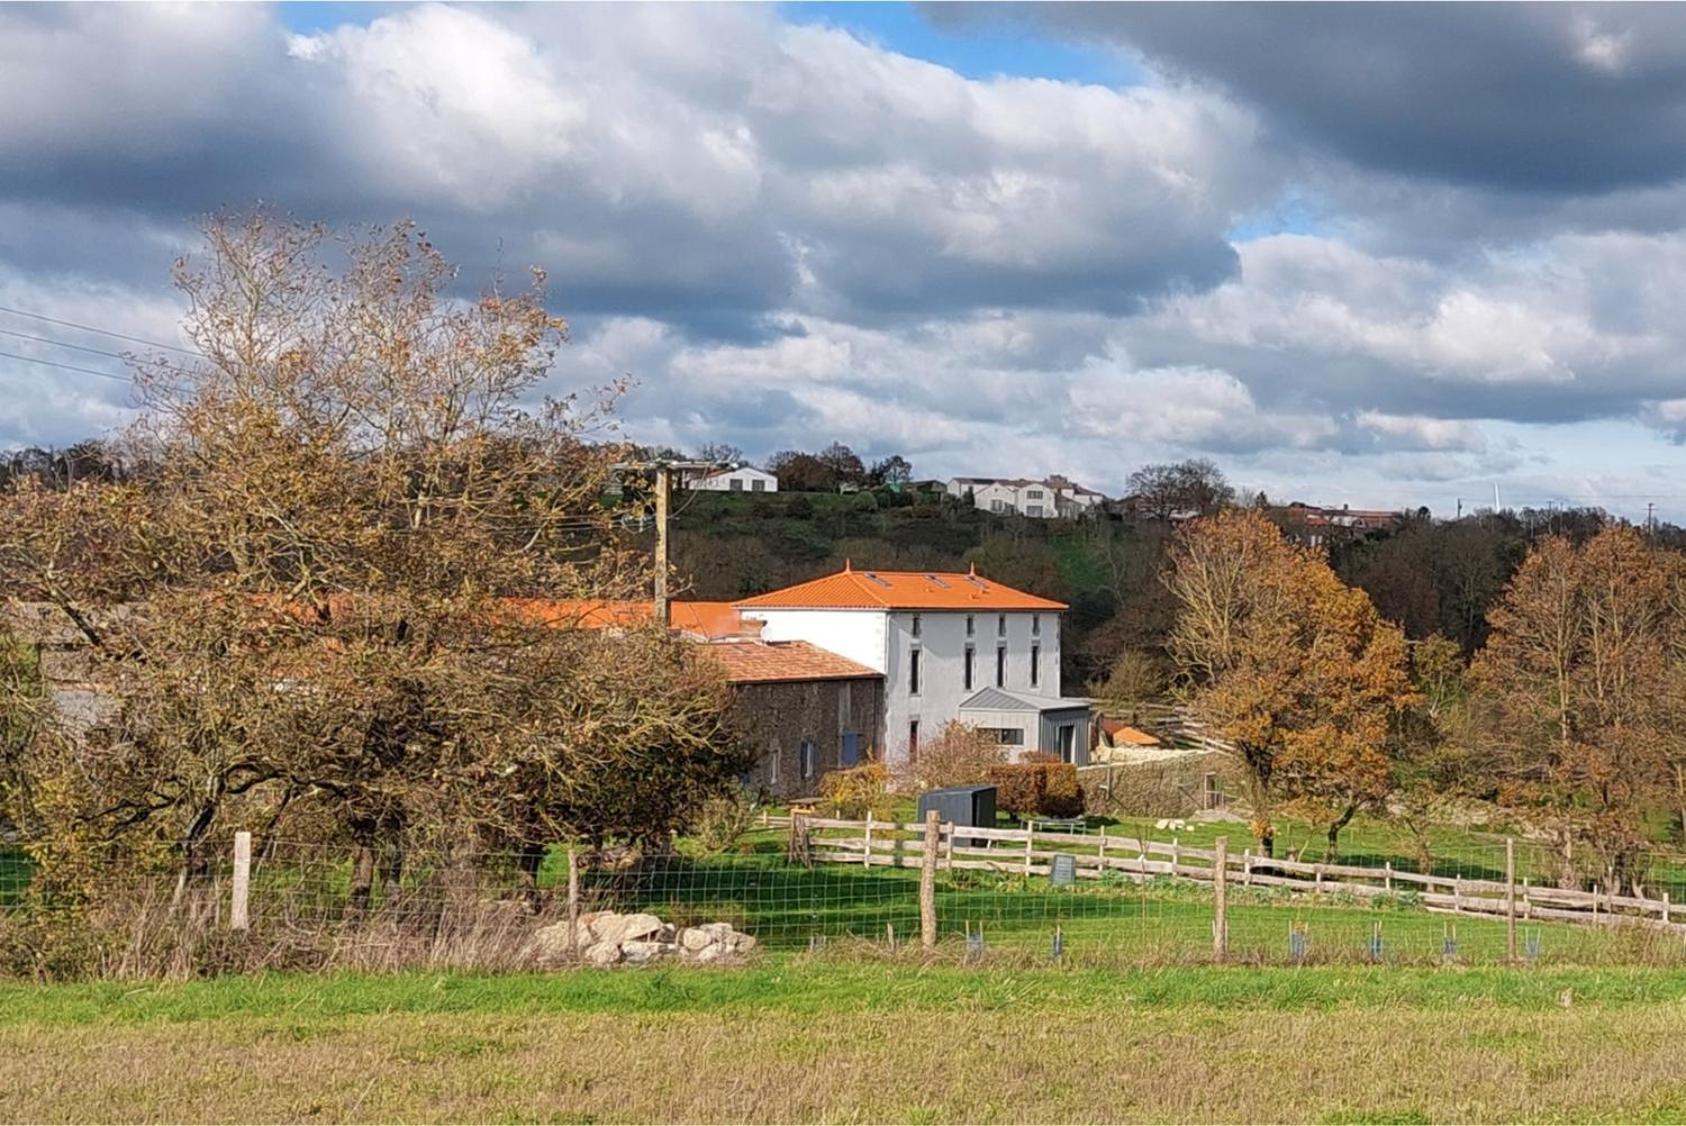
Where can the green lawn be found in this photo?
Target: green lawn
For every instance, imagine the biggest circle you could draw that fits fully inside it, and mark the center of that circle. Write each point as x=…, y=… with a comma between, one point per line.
x=818, y=1038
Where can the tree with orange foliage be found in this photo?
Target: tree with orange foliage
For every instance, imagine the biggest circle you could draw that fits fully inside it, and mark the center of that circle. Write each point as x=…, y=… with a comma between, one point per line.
x=1288, y=666
x=1579, y=686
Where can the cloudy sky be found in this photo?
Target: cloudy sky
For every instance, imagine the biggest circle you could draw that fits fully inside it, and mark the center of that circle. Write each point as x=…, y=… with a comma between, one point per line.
x=1376, y=255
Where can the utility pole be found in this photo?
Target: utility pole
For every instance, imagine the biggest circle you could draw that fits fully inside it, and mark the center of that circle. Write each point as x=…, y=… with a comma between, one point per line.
x=1460, y=508
x=1650, y=520
x=662, y=484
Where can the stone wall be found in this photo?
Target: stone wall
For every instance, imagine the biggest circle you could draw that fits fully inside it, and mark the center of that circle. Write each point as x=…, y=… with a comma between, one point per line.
x=778, y=717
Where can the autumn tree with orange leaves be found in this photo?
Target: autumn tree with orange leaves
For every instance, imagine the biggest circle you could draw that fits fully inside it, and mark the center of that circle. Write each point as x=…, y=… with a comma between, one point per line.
x=1291, y=669
x=1581, y=687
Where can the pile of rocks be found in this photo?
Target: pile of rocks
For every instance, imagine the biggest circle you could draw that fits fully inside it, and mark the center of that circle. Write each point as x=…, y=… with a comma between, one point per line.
x=607, y=938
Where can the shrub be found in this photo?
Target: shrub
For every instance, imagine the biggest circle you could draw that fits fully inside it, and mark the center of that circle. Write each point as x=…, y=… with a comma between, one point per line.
x=1037, y=786
x=858, y=791
x=959, y=756
x=723, y=820
x=799, y=507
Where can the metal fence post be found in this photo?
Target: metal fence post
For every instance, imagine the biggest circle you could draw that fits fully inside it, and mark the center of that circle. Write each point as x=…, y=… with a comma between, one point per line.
x=238, y=916
x=573, y=904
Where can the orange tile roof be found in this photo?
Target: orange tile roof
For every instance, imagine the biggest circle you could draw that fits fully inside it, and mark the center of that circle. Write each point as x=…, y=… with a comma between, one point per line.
x=899, y=590
x=768, y=662
x=707, y=619
x=1123, y=733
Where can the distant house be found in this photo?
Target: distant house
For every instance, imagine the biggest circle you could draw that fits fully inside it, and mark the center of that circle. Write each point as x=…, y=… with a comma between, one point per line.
x=1037, y=499
x=939, y=639
x=743, y=479
x=1315, y=526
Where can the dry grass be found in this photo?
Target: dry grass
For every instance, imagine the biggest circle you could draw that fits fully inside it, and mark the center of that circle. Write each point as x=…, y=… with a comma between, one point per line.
x=755, y=1046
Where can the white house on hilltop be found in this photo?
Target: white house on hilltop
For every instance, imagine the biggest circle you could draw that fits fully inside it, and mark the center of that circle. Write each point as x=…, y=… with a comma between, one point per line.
x=1054, y=496
x=743, y=479
x=951, y=646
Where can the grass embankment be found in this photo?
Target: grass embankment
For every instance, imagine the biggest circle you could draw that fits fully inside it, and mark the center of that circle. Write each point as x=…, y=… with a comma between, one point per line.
x=849, y=1041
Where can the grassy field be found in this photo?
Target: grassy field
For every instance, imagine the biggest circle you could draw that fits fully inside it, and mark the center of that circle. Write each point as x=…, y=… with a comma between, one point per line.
x=816, y=1039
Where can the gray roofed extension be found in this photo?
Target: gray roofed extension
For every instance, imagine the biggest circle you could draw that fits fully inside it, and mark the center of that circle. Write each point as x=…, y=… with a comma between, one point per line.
x=996, y=700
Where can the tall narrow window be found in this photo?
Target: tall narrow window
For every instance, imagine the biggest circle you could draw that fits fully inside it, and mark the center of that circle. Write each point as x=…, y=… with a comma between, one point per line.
x=913, y=673
x=971, y=625
x=810, y=759
x=913, y=740
x=971, y=656
x=916, y=625
x=1036, y=625
x=1000, y=625
x=1000, y=666
x=1035, y=665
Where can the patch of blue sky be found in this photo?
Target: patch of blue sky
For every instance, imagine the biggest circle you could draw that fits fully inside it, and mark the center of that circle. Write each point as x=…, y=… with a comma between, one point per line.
x=307, y=18
x=1293, y=214
x=979, y=49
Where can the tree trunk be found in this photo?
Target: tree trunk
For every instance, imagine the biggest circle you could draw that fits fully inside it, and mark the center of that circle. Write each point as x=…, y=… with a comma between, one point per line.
x=530, y=859
x=1335, y=827
x=362, y=881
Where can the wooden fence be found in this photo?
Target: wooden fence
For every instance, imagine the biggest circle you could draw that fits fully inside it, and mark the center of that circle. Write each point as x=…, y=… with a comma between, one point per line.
x=1031, y=852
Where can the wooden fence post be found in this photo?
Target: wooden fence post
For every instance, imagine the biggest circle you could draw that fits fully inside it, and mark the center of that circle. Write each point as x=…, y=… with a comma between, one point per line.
x=1220, y=900
x=928, y=882
x=1387, y=868
x=1247, y=866
x=1176, y=855
x=238, y=918
x=866, y=851
x=1029, y=843
x=1510, y=899
x=573, y=904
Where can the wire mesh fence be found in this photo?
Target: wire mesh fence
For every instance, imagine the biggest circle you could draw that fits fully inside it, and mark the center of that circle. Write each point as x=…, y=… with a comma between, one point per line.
x=799, y=885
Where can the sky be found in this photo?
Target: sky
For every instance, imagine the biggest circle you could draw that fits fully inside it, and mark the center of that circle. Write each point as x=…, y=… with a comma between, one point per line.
x=1385, y=256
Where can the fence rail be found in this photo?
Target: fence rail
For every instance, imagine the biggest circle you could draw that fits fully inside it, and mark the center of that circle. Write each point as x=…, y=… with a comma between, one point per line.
x=1031, y=852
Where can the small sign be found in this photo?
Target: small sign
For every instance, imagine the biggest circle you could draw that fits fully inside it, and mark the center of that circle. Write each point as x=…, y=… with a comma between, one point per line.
x=1064, y=871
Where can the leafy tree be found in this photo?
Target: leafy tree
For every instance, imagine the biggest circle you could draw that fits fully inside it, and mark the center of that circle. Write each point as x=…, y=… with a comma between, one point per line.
x=800, y=472
x=1293, y=669
x=1578, y=682
x=1196, y=486
x=895, y=471
x=313, y=615
x=845, y=465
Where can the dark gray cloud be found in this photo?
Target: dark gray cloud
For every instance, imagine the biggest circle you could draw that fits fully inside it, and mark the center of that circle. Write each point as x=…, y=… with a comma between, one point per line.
x=1530, y=98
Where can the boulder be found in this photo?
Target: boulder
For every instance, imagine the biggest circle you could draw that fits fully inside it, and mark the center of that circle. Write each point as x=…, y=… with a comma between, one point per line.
x=637, y=952
x=619, y=929
x=603, y=954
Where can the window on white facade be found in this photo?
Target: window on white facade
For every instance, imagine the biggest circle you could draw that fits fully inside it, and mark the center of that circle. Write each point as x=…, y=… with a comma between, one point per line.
x=1000, y=666
x=913, y=673
x=737, y=484
x=1034, y=510
x=758, y=486
x=1033, y=494
x=1035, y=665
x=998, y=506
x=1009, y=736
x=1000, y=625
x=810, y=759
x=913, y=740
x=916, y=625
x=971, y=657
x=971, y=625
x=1036, y=625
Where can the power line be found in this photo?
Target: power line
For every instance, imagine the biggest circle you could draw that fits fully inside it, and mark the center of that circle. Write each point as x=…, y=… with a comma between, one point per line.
x=66, y=367
x=100, y=331
x=62, y=343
